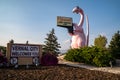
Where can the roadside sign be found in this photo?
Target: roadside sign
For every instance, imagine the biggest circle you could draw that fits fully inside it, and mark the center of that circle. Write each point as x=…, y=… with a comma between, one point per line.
x=64, y=21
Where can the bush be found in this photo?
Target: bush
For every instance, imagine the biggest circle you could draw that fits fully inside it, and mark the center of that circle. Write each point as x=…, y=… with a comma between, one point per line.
x=3, y=61
x=74, y=55
x=102, y=58
x=90, y=55
x=49, y=60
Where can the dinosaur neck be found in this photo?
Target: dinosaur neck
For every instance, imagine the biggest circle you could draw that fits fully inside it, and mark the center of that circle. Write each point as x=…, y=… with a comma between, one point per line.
x=80, y=24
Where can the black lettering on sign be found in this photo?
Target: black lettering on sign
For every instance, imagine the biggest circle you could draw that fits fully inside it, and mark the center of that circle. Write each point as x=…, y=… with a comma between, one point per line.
x=33, y=48
x=14, y=54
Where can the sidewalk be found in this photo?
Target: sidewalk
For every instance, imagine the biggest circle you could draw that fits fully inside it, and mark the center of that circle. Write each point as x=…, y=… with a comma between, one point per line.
x=115, y=70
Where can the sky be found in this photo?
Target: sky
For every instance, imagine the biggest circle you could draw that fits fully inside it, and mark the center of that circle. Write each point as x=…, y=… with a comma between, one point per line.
x=32, y=20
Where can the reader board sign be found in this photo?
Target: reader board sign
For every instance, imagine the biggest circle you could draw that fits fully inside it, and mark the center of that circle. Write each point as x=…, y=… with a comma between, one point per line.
x=64, y=21
x=18, y=50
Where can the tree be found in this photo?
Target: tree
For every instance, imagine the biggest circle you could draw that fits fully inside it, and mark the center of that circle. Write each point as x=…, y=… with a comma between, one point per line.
x=114, y=46
x=11, y=41
x=3, y=50
x=100, y=41
x=51, y=44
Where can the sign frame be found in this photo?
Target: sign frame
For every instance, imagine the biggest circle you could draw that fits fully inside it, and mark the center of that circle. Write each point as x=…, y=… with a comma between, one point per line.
x=23, y=60
x=64, y=21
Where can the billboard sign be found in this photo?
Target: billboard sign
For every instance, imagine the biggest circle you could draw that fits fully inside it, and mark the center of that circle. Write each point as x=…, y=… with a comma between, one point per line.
x=64, y=21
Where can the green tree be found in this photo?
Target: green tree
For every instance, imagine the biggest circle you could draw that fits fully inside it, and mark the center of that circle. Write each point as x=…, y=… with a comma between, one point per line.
x=3, y=49
x=100, y=41
x=11, y=41
x=51, y=44
x=114, y=46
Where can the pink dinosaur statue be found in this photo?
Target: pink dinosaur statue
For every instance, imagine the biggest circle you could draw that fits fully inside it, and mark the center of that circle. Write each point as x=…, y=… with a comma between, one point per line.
x=78, y=37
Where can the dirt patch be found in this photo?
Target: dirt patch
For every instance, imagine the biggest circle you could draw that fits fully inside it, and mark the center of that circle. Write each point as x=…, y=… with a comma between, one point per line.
x=59, y=72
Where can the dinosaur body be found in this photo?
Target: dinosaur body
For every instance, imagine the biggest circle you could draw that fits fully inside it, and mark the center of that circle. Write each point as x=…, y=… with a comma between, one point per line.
x=78, y=37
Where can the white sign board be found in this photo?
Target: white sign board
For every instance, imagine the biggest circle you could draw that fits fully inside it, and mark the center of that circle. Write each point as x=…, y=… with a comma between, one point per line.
x=18, y=50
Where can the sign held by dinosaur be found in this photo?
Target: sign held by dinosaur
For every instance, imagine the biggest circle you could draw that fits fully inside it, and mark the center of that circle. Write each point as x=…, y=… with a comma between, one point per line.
x=64, y=21
x=79, y=39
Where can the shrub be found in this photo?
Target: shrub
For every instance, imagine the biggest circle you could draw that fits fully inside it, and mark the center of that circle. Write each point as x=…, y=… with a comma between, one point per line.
x=74, y=55
x=49, y=60
x=3, y=60
x=90, y=55
x=102, y=58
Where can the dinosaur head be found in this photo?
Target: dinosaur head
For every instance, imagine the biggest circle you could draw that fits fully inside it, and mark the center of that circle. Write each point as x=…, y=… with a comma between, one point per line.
x=77, y=10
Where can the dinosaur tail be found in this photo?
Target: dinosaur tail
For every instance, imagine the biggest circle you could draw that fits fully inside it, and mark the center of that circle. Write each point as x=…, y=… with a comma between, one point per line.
x=87, y=35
